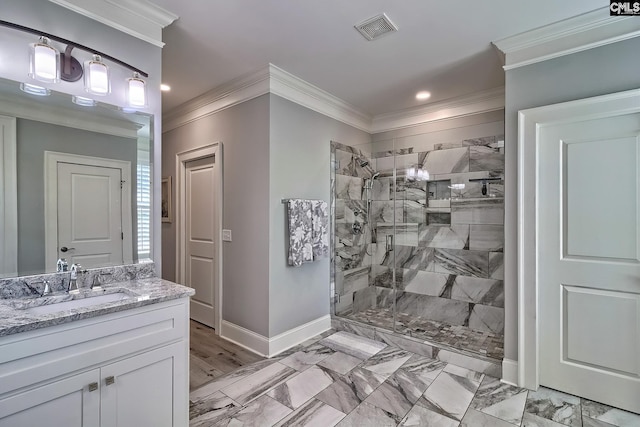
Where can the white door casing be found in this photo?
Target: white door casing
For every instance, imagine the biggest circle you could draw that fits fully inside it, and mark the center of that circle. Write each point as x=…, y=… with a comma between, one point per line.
x=53, y=179
x=579, y=253
x=199, y=225
x=8, y=198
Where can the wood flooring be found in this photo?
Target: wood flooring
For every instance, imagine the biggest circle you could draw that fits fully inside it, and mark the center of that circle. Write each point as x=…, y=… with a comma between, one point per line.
x=212, y=356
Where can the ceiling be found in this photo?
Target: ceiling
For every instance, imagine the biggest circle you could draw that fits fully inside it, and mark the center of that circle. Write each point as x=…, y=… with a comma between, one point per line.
x=439, y=47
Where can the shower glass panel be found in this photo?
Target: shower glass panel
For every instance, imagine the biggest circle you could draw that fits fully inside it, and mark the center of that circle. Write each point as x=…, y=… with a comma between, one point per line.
x=418, y=237
x=364, y=214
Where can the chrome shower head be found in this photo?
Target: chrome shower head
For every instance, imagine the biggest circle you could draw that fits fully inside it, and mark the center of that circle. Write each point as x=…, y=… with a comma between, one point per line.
x=363, y=162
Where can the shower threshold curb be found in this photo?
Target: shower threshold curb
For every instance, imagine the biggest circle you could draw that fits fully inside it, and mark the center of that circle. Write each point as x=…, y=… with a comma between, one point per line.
x=463, y=358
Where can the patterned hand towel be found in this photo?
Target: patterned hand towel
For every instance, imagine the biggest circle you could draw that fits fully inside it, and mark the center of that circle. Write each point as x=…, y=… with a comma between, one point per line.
x=300, y=231
x=320, y=233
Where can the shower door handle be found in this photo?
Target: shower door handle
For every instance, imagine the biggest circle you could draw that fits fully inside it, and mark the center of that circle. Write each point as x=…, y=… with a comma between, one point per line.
x=389, y=246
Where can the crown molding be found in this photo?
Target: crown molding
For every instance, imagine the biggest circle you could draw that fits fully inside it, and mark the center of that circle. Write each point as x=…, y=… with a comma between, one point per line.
x=239, y=90
x=272, y=79
x=296, y=90
x=477, y=103
x=572, y=35
x=138, y=18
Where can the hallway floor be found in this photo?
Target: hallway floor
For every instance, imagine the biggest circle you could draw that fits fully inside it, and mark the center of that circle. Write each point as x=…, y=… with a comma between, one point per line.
x=211, y=356
x=338, y=378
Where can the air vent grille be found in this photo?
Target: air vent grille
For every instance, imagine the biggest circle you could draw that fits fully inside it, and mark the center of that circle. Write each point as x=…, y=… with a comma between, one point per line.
x=376, y=27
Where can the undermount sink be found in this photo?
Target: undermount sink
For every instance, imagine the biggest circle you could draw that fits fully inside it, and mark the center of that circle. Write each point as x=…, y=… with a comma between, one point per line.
x=57, y=303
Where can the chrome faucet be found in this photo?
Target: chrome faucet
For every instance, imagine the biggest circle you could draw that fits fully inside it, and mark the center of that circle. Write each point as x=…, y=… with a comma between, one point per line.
x=73, y=278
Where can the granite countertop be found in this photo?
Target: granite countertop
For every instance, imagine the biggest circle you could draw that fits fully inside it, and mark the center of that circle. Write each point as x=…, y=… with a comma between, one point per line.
x=15, y=317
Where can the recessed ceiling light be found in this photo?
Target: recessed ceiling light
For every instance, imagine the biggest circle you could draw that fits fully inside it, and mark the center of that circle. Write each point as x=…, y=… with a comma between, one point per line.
x=165, y=88
x=421, y=96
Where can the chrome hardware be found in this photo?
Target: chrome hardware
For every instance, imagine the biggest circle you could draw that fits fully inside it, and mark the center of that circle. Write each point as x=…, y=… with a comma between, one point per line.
x=47, y=289
x=109, y=380
x=73, y=278
x=62, y=265
x=93, y=386
x=65, y=249
x=389, y=243
x=96, y=284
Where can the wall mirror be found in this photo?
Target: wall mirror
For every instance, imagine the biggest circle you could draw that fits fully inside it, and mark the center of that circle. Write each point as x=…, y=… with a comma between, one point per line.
x=76, y=182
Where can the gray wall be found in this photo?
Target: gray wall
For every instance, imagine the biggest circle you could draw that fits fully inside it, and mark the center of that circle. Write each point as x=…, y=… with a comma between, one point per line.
x=244, y=133
x=599, y=71
x=62, y=22
x=33, y=139
x=299, y=167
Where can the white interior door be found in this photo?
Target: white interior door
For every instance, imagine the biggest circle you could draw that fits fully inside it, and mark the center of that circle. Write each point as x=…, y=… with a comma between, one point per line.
x=589, y=259
x=90, y=215
x=200, y=271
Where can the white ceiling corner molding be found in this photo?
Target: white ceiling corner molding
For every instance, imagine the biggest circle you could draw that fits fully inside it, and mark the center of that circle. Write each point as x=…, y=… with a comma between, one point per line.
x=296, y=90
x=272, y=79
x=477, y=103
x=239, y=90
x=138, y=18
x=576, y=34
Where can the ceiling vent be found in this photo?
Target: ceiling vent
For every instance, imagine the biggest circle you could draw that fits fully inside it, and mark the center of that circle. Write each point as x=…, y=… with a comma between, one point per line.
x=376, y=27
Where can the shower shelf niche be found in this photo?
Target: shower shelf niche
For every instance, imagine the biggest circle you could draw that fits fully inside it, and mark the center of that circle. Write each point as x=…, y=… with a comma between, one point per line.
x=438, y=210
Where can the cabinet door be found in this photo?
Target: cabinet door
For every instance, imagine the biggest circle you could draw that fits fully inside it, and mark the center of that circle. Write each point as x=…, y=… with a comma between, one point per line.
x=69, y=402
x=140, y=391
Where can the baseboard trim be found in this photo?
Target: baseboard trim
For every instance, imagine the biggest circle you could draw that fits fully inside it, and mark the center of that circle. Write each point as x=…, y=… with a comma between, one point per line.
x=255, y=343
x=510, y=371
x=295, y=336
x=269, y=347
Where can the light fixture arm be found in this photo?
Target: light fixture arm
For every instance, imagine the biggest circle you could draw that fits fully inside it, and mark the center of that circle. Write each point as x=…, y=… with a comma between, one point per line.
x=70, y=46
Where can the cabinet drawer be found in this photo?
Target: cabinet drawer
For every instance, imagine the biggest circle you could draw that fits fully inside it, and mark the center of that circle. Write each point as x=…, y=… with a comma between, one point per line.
x=33, y=357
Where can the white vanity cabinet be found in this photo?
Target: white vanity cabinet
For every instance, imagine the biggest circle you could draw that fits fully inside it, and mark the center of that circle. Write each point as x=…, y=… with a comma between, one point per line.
x=117, y=370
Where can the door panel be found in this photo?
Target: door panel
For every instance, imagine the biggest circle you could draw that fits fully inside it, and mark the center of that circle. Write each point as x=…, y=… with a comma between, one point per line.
x=65, y=402
x=200, y=242
x=142, y=390
x=588, y=267
x=90, y=214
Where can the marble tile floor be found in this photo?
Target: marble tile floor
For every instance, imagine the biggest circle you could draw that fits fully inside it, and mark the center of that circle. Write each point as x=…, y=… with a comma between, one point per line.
x=342, y=379
x=459, y=337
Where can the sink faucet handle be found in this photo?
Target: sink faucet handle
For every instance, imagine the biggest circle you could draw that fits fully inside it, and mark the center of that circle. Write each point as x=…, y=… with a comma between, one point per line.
x=96, y=280
x=46, y=289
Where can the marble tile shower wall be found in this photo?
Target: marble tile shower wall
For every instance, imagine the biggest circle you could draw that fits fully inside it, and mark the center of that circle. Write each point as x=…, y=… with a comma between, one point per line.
x=448, y=238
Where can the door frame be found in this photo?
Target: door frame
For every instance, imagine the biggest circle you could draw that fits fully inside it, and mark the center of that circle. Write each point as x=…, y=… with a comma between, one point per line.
x=8, y=198
x=214, y=150
x=51, y=160
x=530, y=121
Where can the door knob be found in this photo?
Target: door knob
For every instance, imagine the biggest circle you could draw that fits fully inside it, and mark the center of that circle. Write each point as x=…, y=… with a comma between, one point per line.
x=65, y=249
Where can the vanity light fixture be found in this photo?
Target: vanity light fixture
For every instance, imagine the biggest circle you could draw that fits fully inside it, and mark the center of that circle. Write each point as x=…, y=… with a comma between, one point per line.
x=49, y=66
x=44, y=61
x=96, y=76
x=417, y=173
x=423, y=95
x=136, y=91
